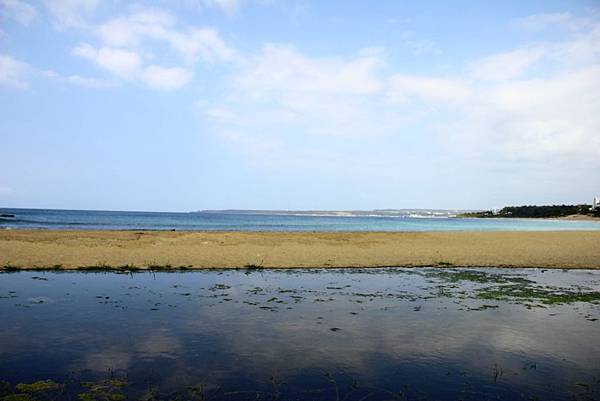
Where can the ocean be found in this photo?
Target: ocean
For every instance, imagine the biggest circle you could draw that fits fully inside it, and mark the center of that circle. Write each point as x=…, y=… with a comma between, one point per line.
x=324, y=221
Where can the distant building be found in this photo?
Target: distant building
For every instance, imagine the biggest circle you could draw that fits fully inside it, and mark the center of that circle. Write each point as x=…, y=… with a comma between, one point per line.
x=596, y=203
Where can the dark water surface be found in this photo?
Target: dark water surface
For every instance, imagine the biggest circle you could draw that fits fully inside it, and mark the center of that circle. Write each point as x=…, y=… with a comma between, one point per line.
x=407, y=334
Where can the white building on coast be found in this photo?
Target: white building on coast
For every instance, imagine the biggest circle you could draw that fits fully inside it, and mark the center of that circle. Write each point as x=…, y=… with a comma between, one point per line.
x=596, y=203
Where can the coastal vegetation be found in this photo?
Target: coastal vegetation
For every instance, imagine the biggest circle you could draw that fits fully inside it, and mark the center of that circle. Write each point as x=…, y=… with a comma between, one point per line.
x=532, y=211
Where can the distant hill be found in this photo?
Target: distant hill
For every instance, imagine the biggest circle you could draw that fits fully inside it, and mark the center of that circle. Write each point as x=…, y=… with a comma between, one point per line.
x=345, y=213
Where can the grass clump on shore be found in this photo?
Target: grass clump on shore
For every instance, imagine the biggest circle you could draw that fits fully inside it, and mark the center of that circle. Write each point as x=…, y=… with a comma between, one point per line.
x=255, y=266
x=157, y=267
x=100, y=268
x=129, y=268
x=8, y=267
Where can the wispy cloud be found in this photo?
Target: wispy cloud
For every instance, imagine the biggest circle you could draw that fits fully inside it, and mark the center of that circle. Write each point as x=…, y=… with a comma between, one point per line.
x=17, y=74
x=505, y=66
x=89, y=82
x=535, y=103
x=419, y=46
x=561, y=20
x=166, y=78
x=282, y=87
x=123, y=50
x=17, y=10
x=13, y=72
x=191, y=43
x=123, y=63
x=230, y=7
x=71, y=13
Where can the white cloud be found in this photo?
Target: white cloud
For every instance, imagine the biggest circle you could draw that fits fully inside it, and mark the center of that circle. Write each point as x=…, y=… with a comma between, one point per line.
x=17, y=10
x=129, y=31
x=541, y=22
x=71, y=13
x=146, y=23
x=218, y=113
x=281, y=89
x=431, y=89
x=129, y=45
x=537, y=119
x=424, y=46
x=419, y=46
x=125, y=64
x=166, y=78
x=230, y=7
x=534, y=104
x=284, y=109
x=200, y=42
x=284, y=71
x=128, y=65
x=508, y=65
x=89, y=82
x=13, y=72
x=16, y=74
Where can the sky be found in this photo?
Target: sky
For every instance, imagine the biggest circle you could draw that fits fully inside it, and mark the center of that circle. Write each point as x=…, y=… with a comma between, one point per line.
x=179, y=105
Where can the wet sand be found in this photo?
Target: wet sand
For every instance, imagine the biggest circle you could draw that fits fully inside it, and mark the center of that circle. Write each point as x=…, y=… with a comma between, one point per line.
x=106, y=249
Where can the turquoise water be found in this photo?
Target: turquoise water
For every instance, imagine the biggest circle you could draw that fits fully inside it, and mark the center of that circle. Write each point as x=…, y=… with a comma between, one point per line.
x=244, y=221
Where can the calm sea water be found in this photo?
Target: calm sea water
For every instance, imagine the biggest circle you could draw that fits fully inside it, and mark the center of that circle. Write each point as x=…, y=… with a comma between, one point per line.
x=109, y=220
x=394, y=334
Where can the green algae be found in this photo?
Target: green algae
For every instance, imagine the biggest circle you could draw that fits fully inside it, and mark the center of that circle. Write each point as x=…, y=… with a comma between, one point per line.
x=38, y=386
x=39, y=390
x=108, y=390
x=18, y=397
x=475, y=276
x=547, y=296
x=505, y=287
x=5, y=388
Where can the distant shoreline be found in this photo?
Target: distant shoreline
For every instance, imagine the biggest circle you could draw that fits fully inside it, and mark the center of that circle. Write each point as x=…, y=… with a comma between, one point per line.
x=574, y=217
x=164, y=250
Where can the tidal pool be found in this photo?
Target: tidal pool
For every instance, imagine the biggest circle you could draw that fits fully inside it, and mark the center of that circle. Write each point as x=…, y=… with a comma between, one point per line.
x=373, y=334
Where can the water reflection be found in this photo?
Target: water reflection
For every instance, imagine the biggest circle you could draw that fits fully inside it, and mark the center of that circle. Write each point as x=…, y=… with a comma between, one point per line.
x=345, y=334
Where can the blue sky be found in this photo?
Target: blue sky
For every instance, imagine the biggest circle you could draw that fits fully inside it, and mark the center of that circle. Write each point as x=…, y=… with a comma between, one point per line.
x=269, y=104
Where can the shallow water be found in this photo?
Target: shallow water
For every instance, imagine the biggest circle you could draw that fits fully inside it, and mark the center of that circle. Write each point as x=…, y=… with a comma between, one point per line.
x=402, y=221
x=416, y=334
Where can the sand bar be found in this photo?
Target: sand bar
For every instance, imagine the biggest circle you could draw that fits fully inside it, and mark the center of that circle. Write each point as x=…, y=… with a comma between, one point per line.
x=74, y=249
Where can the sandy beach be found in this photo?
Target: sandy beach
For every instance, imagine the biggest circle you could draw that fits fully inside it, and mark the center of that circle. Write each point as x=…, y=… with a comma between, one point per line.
x=32, y=249
x=580, y=217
